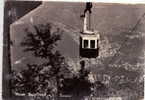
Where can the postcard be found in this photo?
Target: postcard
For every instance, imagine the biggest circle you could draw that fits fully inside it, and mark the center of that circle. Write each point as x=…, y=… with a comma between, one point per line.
x=73, y=51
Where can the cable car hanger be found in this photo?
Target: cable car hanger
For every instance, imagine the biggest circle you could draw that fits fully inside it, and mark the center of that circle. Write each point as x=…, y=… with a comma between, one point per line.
x=87, y=18
x=89, y=39
x=88, y=8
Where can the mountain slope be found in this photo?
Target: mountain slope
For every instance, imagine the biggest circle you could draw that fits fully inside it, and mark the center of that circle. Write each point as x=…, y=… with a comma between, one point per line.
x=121, y=51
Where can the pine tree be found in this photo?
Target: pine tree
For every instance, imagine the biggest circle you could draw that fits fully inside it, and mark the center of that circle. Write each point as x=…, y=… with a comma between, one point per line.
x=41, y=78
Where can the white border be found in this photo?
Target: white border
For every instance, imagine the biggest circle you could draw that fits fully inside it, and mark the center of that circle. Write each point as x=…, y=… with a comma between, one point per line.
x=104, y=1
x=97, y=1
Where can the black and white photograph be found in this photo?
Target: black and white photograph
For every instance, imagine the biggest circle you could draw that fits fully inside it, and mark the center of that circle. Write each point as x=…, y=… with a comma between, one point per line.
x=73, y=51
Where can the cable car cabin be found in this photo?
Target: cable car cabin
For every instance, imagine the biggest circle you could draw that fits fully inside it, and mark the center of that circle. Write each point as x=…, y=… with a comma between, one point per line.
x=89, y=40
x=89, y=45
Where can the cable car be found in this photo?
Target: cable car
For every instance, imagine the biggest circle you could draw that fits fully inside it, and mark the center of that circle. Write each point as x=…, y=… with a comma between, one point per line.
x=89, y=45
x=89, y=40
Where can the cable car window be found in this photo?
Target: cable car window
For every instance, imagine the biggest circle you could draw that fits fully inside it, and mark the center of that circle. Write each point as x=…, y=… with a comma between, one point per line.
x=92, y=43
x=86, y=43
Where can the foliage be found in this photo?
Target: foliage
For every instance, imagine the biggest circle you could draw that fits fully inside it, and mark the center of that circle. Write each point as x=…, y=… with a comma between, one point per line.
x=77, y=85
x=41, y=78
x=42, y=41
x=53, y=76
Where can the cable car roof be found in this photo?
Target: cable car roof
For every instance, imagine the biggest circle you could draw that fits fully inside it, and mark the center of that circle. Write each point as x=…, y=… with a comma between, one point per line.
x=89, y=33
x=92, y=36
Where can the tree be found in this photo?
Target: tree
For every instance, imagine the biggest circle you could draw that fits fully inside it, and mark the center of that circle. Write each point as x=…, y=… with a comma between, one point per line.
x=78, y=85
x=53, y=76
x=41, y=78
